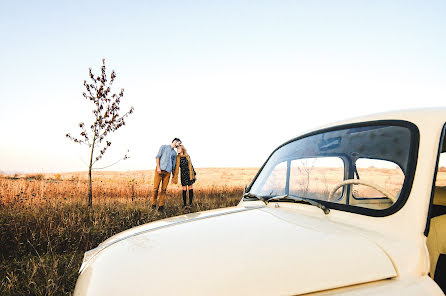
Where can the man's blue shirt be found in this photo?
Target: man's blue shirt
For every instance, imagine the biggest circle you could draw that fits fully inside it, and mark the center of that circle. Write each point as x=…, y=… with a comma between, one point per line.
x=167, y=156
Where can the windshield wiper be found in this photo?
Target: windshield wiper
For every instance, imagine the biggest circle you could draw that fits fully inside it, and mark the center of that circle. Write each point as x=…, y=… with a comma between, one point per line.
x=300, y=199
x=252, y=195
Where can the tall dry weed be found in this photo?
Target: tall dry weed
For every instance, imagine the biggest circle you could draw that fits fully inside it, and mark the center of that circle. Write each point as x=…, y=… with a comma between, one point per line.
x=46, y=225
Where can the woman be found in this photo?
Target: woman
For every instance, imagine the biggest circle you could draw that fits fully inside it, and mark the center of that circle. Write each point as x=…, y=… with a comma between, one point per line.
x=188, y=175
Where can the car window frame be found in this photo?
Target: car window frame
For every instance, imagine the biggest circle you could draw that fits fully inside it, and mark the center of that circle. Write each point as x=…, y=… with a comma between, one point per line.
x=408, y=179
x=431, y=200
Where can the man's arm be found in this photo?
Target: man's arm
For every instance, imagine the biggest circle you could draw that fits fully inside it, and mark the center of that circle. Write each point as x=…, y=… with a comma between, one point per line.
x=158, y=169
x=158, y=156
x=174, y=162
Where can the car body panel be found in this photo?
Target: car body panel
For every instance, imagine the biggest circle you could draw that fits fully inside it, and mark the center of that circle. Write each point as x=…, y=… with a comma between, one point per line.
x=247, y=249
x=138, y=230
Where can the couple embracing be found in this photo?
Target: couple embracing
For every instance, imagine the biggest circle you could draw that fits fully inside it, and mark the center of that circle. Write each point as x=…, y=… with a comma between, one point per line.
x=168, y=163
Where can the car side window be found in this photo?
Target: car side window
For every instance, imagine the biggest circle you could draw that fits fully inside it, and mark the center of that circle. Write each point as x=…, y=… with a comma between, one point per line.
x=438, y=207
x=441, y=173
x=436, y=239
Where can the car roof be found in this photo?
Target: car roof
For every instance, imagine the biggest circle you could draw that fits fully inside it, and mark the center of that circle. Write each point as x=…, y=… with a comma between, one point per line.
x=437, y=114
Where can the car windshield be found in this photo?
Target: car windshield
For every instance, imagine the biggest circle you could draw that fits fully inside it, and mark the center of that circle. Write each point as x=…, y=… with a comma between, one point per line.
x=366, y=167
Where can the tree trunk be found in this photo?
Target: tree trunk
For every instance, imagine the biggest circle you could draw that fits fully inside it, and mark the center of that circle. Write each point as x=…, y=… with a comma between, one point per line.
x=90, y=191
x=90, y=187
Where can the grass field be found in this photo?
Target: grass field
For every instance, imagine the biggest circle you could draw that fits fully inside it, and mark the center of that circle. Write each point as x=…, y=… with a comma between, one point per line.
x=45, y=225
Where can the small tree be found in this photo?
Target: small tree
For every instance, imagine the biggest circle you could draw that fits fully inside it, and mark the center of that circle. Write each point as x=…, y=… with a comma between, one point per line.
x=106, y=119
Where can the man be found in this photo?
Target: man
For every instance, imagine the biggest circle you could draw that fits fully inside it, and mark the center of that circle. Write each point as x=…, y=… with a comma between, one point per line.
x=165, y=165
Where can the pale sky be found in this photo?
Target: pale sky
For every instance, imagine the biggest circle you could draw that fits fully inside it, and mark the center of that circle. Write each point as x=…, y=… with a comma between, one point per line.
x=232, y=79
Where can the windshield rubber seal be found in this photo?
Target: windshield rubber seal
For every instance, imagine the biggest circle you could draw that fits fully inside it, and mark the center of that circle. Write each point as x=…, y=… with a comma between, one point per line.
x=410, y=170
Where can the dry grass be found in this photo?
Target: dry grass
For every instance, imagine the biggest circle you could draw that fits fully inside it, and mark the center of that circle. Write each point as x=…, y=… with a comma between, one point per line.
x=45, y=225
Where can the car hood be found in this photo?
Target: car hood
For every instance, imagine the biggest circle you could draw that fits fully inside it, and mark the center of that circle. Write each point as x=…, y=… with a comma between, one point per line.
x=233, y=251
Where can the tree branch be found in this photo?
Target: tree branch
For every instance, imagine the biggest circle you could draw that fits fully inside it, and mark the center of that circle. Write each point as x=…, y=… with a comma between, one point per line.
x=124, y=158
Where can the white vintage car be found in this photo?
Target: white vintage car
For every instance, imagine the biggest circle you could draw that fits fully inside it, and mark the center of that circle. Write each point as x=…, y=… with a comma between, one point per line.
x=354, y=208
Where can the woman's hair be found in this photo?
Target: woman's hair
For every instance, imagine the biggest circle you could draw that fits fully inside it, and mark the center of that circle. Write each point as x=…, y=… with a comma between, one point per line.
x=183, y=148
